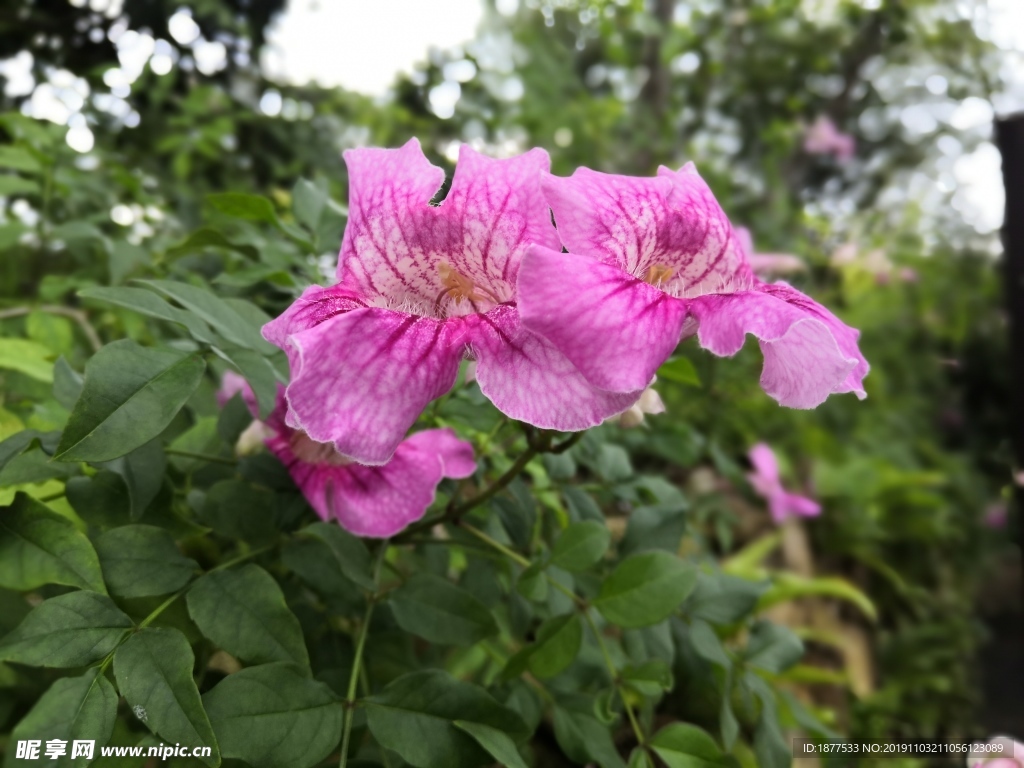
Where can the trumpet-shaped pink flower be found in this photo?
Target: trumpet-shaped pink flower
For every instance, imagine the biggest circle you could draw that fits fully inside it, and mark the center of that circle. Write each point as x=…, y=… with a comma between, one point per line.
x=768, y=484
x=654, y=260
x=824, y=138
x=377, y=502
x=420, y=287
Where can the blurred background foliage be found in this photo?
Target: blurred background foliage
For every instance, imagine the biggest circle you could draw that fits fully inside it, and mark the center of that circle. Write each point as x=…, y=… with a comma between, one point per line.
x=908, y=601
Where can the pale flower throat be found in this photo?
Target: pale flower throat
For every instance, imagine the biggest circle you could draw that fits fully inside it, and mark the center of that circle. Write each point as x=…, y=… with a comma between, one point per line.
x=312, y=452
x=458, y=287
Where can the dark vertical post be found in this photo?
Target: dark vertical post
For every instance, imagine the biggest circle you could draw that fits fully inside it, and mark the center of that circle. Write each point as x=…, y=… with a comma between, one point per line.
x=1010, y=138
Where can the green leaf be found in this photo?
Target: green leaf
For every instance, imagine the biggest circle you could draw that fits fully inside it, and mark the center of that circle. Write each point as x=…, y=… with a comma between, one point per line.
x=558, y=642
x=682, y=745
x=142, y=561
x=532, y=583
x=613, y=463
x=789, y=586
x=645, y=589
x=773, y=647
x=215, y=311
x=679, y=370
x=142, y=471
x=52, y=331
x=243, y=611
x=125, y=258
x=581, y=545
x=71, y=630
x=28, y=357
x=100, y=500
x=18, y=159
x=153, y=669
x=15, y=185
x=415, y=717
x=639, y=759
x=440, y=612
x=650, y=678
x=308, y=201
x=723, y=599
x=204, y=238
x=497, y=743
x=67, y=383
x=243, y=206
x=131, y=394
x=351, y=554
x=149, y=304
x=38, y=546
x=581, y=505
x=73, y=708
x=582, y=736
x=239, y=510
x=271, y=716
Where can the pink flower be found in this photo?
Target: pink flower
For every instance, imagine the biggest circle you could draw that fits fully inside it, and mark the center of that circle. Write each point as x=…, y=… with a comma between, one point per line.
x=997, y=752
x=996, y=516
x=767, y=483
x=823, y=138
x=652, y=260
x=367, y=501
x=420, y=288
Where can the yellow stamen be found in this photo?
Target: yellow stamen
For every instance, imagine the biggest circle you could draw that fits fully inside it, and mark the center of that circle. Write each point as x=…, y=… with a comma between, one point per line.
x=658, y=273
x=457, y=286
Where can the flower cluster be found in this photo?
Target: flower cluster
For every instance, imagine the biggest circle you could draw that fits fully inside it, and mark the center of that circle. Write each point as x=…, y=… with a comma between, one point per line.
x=566, y=326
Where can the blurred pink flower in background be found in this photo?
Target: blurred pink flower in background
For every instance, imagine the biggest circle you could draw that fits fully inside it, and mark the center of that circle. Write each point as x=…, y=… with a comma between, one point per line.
x=996, y=515
x=376, y=501
x=768, y=264
x=997, y=752
x=824, y=138
x=767, y=482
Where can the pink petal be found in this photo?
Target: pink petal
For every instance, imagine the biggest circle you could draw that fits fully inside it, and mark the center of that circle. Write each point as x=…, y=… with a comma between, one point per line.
x=231, y=384
x=315, y=306
x=762, y=458
x=495, y=209
x=360, y=379
x=808, y=352
x=614, y=328
x=389, y=194
x=672, y=220
x=395, y=242
x=528, y=379
x=381, y=501
x=801, y=506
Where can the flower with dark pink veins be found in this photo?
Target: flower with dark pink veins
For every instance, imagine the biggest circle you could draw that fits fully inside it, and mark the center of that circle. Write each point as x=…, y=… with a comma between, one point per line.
x=652, y=260
x=376, y=502
x=421, y=287
x=767, y=482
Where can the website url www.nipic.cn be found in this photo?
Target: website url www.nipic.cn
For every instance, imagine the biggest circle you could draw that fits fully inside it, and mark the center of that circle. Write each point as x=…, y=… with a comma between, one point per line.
x=37, y=749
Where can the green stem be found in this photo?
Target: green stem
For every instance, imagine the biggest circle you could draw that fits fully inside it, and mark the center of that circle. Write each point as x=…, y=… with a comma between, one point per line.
x=637, y=730
x=200, y=456
x=50, y=497
x=357, y=661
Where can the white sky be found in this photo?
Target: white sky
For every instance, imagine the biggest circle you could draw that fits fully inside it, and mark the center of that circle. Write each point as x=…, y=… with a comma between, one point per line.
x=362, y=44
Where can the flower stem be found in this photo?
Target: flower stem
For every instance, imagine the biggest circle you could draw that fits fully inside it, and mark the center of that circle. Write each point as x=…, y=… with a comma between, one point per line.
x=357, y=661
